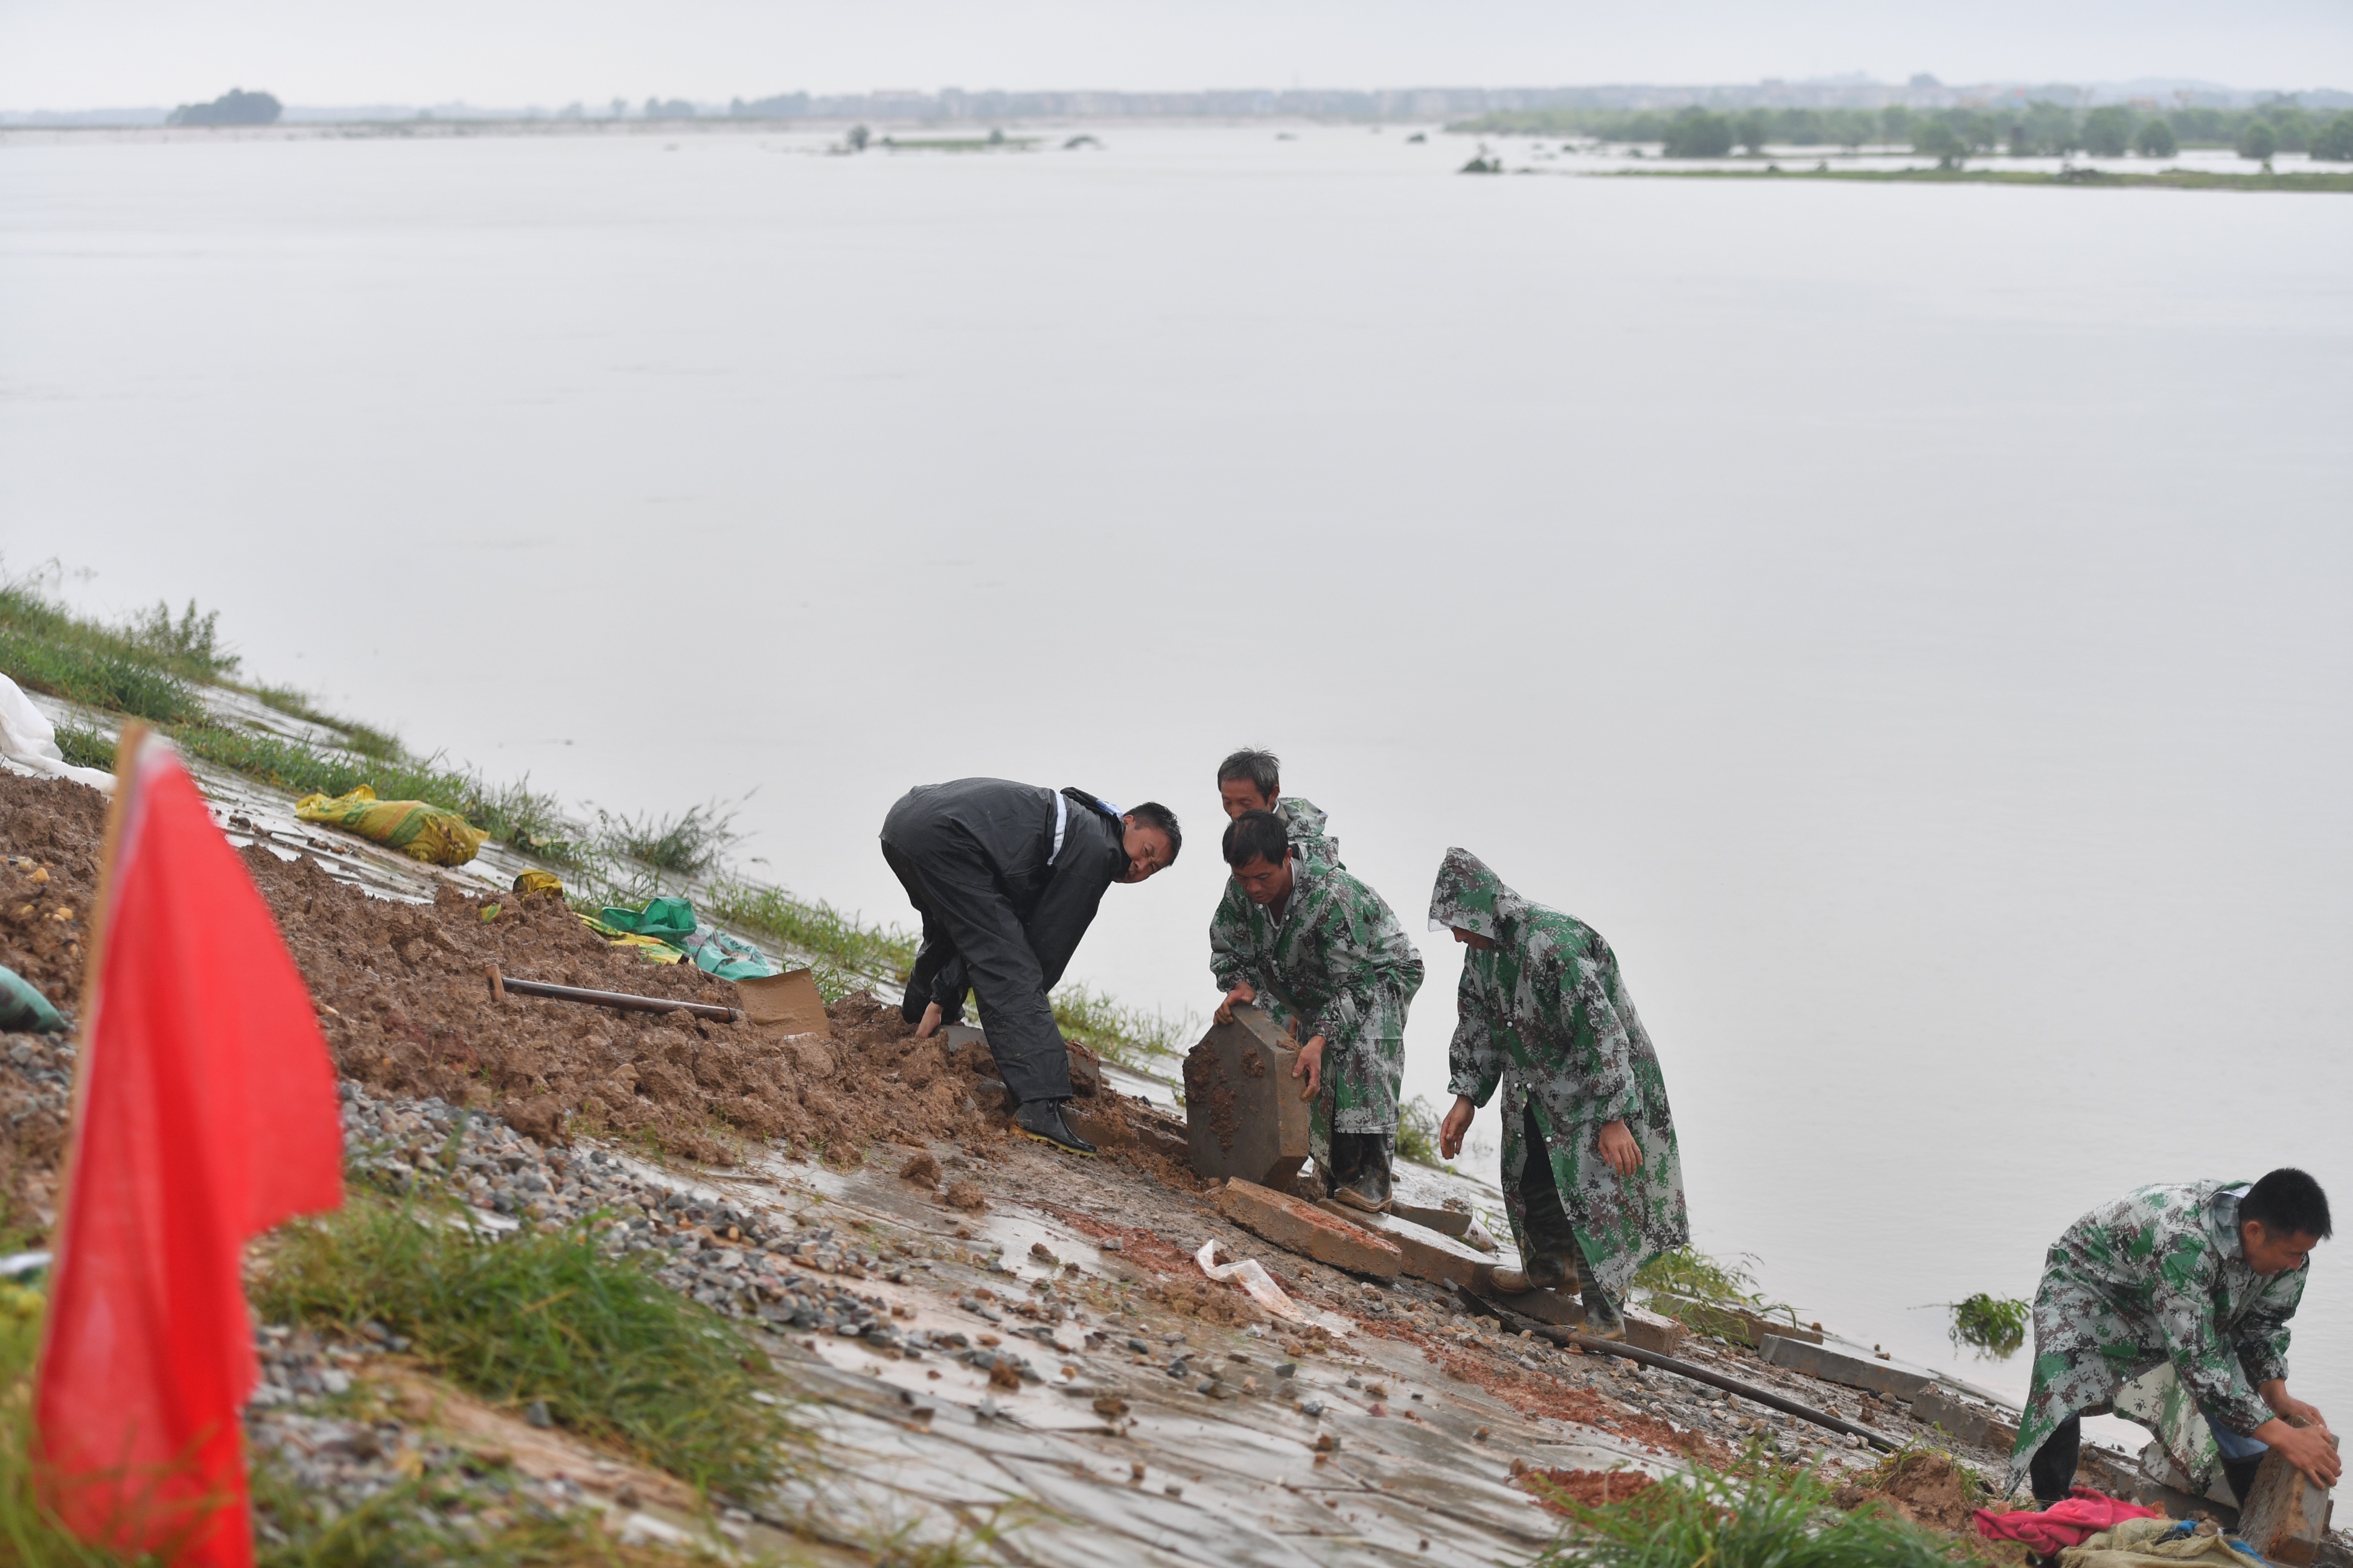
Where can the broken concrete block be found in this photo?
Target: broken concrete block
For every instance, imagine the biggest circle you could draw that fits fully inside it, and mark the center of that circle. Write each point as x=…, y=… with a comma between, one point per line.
x=1301, y=1227
x=1243, y=1116
x=1839, y=1366
x=2286, y=1516
x=1650, y=1331
x=1644, y=1330
x=1426, y=1254
x=1964, y=1420
x=1446, y=1222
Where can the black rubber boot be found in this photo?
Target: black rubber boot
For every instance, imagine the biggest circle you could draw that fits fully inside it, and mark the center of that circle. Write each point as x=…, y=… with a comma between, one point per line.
x=2241, y=1475
x=1548, y=1271
x=1346, y=1154
x=1368, y=1187
x=1042, y=1119
x=1603, y=1321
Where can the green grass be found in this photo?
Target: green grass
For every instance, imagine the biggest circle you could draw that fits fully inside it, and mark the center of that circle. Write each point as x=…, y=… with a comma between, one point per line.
x=1991, y=1326
x=614, y=1355
x=29, y=1535
x=513, y=813
x=2169, y=179
x=875, y=954
x=368, y=742
x=85, y=748
x=1757, y=1515
x=1131, y=1036
x=1418, y=1132
x=686, y=845
x=1693, y=1276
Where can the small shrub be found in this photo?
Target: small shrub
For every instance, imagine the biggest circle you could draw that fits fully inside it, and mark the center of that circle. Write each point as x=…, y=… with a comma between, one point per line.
x=1418, y=1131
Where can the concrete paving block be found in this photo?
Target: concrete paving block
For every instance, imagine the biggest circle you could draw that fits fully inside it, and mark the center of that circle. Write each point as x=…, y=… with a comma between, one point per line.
x=1299, y=1226
x=2286, y=1516
x=1426, y=1254
x=1243, y=1116
x=1446, y=1222
x=1964, y=1420
x=1834, y=1365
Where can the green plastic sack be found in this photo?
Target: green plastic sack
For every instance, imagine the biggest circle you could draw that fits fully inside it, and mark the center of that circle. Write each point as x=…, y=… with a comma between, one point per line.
x=26, y=1009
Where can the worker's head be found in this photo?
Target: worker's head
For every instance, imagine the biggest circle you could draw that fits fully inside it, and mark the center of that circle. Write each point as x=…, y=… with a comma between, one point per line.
x=1471, y=939
x=1249, y=781
x=2280, y=1220
x=1258, y=846
x=1150, y=836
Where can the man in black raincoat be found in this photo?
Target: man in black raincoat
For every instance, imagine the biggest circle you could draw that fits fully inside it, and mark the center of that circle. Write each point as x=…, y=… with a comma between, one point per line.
x=1007, y=877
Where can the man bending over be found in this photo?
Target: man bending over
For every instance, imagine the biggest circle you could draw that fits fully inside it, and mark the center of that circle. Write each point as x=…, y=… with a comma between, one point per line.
x=1007, y=877
x=2171, y=1292
x=1324, y=945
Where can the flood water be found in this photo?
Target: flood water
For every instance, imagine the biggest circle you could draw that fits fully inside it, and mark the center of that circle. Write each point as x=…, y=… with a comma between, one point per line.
x=1913, y=624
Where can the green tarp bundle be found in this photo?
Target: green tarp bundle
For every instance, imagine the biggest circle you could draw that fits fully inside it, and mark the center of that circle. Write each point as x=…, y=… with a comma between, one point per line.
x=22, y=1007
x=672, y=923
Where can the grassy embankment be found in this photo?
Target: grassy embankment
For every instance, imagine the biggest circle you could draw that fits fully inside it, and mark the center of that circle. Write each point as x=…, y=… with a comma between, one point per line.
x=617, y=1360
x=155, y=666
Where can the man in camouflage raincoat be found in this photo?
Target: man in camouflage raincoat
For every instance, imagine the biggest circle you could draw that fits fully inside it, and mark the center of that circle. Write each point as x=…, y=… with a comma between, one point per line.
x=2170, y=1306
x=1252, y=780
x=1592, y=1179
x=1329, y=952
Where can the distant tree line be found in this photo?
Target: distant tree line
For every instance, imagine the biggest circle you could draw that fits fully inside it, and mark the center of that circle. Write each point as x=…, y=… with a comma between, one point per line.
x=2039, y=129
x=235, y=107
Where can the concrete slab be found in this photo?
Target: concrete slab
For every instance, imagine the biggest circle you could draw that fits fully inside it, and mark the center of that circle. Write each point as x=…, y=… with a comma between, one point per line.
x=1243, y=1115
x=1299, y=1226
x=1964, y=1420
x=1736, y=1324
x=1834, y=1365
x=1446, y=1222
x=1426, y=1254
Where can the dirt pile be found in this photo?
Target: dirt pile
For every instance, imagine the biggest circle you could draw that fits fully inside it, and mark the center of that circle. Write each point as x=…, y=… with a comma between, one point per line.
x=408, y=1009
x=1922, y=1485
x=50, y=832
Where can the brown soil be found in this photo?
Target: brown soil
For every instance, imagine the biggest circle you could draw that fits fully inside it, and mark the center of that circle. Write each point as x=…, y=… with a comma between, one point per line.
x=1147, y=1249
x=923, y=1170
x=50, y=831
x=1206, y=1084
x=1925, y=1487
x=1590, y=1488
x=968, y=1196
x=1533, y=1395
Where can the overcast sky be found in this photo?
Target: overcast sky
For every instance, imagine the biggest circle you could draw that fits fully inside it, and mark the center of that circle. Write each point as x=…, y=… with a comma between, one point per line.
x=67, y=54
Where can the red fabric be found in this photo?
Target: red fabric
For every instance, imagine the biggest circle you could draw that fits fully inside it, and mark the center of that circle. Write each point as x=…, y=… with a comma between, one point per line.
x=2082, y=1514
x=207, y=1114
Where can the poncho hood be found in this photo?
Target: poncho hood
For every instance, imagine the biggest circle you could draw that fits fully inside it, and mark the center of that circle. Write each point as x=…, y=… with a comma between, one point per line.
x=1473, y=897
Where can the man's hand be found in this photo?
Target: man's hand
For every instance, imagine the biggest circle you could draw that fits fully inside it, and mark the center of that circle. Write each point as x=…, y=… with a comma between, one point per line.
x=1239, y=996
x=2308, y=1449
x=930, y=1024
x=1457, y=1123
x=1619, y=1148
x=1311, y=1063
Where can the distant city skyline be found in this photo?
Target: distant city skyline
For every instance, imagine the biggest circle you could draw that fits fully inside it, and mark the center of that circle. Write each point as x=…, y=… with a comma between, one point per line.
x=91, y=54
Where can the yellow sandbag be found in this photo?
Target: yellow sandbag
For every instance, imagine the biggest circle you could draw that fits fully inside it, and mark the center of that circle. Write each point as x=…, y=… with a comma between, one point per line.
x=529, y=882
x=420, y=831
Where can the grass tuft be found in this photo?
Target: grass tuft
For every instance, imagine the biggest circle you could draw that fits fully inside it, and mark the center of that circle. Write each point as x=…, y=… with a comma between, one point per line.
x=85, y=748
x=367, y=741
x=1756, y=1515
x=686, y=845
x=1418, y=1132
x=1130, y=1037
x=1692, y=1274
x=1991, y=1326
x=875, y=955
x=538, y=1317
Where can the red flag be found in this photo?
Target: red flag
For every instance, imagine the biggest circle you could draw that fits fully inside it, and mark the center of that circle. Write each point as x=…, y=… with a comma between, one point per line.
x=204, y=1114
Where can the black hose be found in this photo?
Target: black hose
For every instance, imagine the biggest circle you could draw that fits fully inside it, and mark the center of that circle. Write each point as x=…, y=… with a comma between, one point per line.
x=1681, y=1368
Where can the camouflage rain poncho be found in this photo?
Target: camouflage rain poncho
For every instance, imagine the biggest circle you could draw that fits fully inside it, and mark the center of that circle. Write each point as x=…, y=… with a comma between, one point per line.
x=1337, y=965
x=1229, y=927
x=2148, y=1305
x=1545, y=1014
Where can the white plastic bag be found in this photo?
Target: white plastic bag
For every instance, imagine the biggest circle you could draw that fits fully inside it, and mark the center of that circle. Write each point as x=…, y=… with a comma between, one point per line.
x=1259, y=1285
x=30, y=741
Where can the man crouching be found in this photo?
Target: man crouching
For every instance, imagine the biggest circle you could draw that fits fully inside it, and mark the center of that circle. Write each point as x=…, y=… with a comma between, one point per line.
x=1327, y=946
x=2170, y=1306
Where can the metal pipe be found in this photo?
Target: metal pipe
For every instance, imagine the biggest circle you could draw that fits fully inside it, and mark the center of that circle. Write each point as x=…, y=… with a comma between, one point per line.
x=1682, y=1368
x=501, y=986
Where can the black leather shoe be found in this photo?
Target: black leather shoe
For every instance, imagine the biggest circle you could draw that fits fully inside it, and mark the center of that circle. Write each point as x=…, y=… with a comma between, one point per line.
x=1042, y=1119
